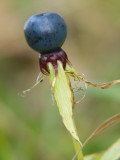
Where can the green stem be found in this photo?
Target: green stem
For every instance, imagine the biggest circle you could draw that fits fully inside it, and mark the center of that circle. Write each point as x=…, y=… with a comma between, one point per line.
x=77, y=147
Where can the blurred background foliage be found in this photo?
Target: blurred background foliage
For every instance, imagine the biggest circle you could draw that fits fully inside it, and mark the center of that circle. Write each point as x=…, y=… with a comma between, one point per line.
x=31, y=127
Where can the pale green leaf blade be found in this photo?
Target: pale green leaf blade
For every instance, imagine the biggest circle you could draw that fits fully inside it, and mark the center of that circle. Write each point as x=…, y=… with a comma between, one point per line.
x=113, y=153
x=64, y=99
x=89, y=157
x=95, y=156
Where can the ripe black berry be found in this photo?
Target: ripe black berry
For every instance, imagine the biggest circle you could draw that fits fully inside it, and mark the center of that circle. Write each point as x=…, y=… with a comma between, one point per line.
x=45, y=32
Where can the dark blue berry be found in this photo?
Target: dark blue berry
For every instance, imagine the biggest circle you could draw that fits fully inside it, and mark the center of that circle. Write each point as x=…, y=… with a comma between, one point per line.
x=45, y=32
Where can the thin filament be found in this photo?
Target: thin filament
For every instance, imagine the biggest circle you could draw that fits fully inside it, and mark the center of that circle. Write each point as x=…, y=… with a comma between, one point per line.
x=39, y=79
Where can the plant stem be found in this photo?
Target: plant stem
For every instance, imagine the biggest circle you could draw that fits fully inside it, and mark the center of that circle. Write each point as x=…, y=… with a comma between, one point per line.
x=77, y=147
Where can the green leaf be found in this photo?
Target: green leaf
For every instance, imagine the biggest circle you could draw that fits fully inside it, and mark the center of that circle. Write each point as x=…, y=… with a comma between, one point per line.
x=112, y=153
x=96, y=156
x=64, y=98
x=90, y=157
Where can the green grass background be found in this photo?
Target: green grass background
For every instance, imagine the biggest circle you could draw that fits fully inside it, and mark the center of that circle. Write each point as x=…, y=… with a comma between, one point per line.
x=31, y=127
